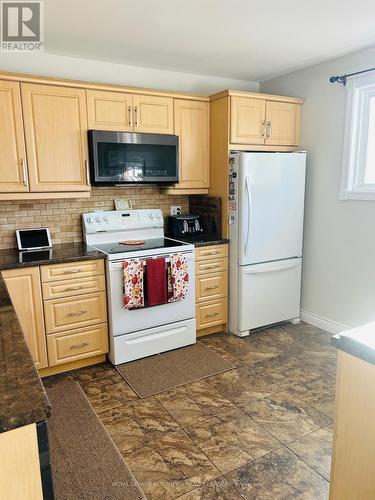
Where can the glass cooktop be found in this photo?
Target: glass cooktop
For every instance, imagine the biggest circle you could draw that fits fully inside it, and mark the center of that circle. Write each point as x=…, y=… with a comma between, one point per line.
x=151, y=244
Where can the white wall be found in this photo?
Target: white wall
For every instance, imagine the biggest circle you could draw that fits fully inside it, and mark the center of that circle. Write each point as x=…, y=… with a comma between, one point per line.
x=339, y=245
x=43, y=64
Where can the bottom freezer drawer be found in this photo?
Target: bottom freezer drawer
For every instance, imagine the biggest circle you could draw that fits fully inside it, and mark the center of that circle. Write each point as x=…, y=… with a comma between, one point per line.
x=124, y=348
x=268, y=293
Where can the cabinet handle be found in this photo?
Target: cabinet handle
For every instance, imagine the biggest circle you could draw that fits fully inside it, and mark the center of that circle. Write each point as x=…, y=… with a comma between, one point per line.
x=78, y=313
x=269, y=129
x=77, y=346
x=212, y=287
x=71, y=288
x=210, y=267
x=210, y=315
x=263, y=128
x=136, y=116
x=24, y=172
x=71, y=271
x=130, y=116
x=87, y=172
x=213, y=252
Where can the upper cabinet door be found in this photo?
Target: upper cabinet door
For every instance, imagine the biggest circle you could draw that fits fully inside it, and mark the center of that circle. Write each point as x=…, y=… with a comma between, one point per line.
x=282, y=123
x=153, y=114
x=13, y=176
x=247, y=120
x=109, y=111
x=192, y=122
x=56, y=137
x=25, y=291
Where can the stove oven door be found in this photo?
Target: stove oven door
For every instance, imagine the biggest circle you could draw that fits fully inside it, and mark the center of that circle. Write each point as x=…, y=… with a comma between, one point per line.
x=124, y=321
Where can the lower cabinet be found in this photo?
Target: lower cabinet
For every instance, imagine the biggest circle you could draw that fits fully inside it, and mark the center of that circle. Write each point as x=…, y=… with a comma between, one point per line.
x=211, y=289
x=62, y=310
x=25, y=291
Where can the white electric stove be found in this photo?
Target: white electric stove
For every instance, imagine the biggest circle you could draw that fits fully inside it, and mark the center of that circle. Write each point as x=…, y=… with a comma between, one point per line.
x=141, y=332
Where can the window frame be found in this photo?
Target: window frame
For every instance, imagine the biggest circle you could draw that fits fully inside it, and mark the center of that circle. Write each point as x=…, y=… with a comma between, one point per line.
x=359, y=92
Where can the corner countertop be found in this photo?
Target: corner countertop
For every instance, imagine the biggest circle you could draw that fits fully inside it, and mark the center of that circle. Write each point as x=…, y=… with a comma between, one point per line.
x=23, y=400
x=203, y=240
x=359, y=342
x=58, y=254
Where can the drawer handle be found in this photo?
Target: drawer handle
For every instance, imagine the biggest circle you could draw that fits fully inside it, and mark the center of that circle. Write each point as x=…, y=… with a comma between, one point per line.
x=210, y=315
x=71, y=288
x=78, y=346
x=213, y=252
x=78, y=313
x=212, y=287
x=210, y=267
x=71, y=271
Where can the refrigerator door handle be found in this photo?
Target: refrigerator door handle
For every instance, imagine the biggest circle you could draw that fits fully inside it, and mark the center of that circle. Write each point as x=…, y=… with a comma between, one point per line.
x=248, y=211
x=270, y=267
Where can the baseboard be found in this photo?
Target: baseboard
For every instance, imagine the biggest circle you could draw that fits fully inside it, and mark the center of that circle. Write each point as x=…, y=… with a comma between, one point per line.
x=323, y=323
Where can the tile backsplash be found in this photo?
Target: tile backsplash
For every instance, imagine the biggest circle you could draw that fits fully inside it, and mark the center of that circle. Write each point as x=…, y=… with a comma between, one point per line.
x=63, y=217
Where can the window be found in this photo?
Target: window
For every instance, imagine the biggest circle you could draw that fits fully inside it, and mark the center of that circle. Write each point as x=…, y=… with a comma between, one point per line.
x=358, y=175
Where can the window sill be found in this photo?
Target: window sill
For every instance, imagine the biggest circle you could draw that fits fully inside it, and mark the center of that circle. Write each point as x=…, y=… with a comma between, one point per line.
x=357, y=195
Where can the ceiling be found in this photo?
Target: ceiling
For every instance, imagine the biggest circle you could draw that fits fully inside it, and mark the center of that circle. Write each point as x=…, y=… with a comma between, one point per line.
x=242, y=39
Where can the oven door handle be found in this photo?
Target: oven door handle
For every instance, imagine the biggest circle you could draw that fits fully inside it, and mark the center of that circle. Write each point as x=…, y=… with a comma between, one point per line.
x=114, y=266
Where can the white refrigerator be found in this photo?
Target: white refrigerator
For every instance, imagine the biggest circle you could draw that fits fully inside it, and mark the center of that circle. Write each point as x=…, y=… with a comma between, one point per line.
x=266, y=206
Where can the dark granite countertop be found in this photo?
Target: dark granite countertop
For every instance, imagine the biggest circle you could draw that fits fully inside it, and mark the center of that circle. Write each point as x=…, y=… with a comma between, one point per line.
x=68, y=252
x=202, y=240
x=359, y=342
x=23, y=399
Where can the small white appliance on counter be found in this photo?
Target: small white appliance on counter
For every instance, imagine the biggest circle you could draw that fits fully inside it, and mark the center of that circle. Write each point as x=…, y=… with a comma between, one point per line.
x=266, y=207
x=138, y=333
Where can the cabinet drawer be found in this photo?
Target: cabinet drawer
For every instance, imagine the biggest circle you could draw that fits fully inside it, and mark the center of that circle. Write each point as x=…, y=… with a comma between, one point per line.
x=211, y=313
x=77, y=344
x=68, y=288
x=75, y=312
x=212, y=252
x=82, y=269
x=211, y=266
x=210, y=287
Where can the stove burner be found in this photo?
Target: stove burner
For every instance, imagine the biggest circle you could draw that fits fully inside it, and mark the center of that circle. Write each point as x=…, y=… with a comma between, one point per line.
x=132, y=242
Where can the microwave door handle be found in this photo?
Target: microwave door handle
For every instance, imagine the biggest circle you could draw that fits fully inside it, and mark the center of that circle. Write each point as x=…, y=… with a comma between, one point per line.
x=248, y=212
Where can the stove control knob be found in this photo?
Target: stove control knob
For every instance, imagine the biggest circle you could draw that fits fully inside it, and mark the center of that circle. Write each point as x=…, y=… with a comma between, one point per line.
x=89, y=220
x=98, y=220
x=157, y=216
x=150, y=216
x=105, y=219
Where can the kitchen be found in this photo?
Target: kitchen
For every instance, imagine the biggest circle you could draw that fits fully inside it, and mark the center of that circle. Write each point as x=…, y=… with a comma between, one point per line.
x=151, y=252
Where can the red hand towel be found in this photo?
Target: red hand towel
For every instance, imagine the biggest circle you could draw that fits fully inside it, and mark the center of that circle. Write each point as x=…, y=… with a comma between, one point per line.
x=156, y=282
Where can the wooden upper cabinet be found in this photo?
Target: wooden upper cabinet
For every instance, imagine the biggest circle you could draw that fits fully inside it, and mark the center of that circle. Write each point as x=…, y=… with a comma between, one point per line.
x=153, y=114
x=192, y=120
x=55, y=124
x=248, y=117
x=24, y=288
x=13, y=176
x=109, y=110
x=283, y=123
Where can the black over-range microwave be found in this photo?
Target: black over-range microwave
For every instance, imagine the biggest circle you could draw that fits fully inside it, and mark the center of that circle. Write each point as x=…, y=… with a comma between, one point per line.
x=124, y=157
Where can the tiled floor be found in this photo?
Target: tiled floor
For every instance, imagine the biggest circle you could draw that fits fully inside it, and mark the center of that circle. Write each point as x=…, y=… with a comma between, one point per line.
x=260, y=431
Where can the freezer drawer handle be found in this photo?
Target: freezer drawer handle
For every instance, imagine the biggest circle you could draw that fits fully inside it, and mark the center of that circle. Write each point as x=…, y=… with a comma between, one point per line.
x=78, y=313
x=78, y=346
x=210, y=315
x=264, y=268
x=213, y=287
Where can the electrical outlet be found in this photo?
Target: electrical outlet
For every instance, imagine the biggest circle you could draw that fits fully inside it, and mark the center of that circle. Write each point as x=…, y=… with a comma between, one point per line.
x=175, y=210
